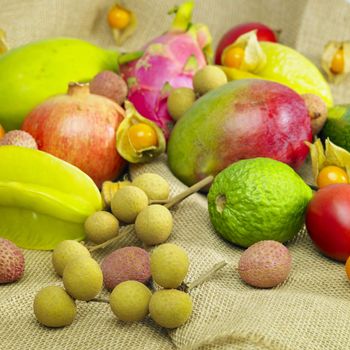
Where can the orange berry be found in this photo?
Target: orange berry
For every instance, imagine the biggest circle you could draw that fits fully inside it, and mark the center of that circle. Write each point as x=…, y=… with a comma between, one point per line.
x=118, y=17
x=142, y=136
x=337, y=65
x=233, y=57
x=2, y=132
x=330, y=175
x=347, y=267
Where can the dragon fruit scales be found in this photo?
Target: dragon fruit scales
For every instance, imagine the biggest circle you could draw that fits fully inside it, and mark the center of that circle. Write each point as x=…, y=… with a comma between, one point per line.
x=168, y=61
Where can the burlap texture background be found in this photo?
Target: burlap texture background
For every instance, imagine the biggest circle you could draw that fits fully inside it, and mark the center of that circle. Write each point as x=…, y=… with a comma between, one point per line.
x=311, y=310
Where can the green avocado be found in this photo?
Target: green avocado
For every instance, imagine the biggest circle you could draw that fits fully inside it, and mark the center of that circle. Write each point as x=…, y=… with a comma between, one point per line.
x=337, y=127
x=34, y=72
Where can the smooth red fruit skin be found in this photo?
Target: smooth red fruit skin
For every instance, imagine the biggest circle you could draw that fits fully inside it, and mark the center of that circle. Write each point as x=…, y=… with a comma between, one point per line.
x=328, y=221
x=79, y=128
x=264, y=33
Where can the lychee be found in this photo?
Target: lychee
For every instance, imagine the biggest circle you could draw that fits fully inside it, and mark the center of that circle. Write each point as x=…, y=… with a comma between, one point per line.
x=265, y=264
x=110, y=85
x=18, y=138
x=11, y=262
x=128, y=263
x=317, y=110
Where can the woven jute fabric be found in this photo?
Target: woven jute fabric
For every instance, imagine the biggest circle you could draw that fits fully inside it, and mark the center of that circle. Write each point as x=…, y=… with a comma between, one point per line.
x=311, y=310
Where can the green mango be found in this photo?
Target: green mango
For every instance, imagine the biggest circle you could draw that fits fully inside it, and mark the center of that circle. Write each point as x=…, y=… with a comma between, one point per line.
x=34, y=72
x=43, y=199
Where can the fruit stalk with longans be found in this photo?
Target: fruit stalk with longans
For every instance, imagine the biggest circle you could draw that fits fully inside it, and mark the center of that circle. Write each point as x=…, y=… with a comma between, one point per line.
x=169, y=61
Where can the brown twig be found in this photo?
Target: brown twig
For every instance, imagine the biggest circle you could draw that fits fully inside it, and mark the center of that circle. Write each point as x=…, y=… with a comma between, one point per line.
x=127, y=230
x=99, y=300
x=168, y=204
x=158, y=201
x=194, y=188
x=206, y=275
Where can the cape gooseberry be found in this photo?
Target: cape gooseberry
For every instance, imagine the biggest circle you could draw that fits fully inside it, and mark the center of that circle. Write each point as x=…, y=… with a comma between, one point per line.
x=169, y=265
x=129, y=301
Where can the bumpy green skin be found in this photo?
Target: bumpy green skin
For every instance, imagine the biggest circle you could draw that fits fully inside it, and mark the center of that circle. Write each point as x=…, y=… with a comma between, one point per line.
x=33, y=72
x=337, y=127
x=258, y=199
x=43, y=200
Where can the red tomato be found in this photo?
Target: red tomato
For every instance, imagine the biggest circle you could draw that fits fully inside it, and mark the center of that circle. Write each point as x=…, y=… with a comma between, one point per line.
x=264, y=33
x=328, y=221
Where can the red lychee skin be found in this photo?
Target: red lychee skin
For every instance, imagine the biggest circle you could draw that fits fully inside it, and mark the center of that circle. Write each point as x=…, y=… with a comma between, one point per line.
x=265, y=264
x=11, y=262
x=124, y=264
x=19, y=138
x=110, y=85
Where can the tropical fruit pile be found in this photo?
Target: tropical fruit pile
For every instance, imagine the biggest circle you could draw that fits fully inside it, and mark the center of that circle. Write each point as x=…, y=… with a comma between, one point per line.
x=74, y=116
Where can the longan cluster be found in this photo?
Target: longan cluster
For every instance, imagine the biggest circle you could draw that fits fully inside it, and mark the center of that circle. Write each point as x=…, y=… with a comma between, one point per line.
x=170, y=308
x=55, y=306
x=132, y=204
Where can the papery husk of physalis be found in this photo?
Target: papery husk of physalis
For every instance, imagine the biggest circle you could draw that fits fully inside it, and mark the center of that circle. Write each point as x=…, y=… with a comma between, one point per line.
x=126, y=149
x=109, y=188
x=330, y=155
x=3, y=44
x=121, y=35
x=329, y=51
x=254, y=57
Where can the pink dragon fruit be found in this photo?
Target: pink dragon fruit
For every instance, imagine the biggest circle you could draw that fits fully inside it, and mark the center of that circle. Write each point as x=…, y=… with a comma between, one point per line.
x=167, y=62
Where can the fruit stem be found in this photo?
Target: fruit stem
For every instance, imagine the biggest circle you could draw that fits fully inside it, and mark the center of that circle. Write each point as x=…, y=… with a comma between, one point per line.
x=168, y=204
x=159, y=201
x=183, y=15
x=205, y=276
x=194, y=188
x=127, y=230
x=99, y=300
x=313, y=187
x=78, y=89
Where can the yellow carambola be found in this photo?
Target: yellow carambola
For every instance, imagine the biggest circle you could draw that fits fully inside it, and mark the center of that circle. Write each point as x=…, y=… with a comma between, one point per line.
x=33, y=72
x=287, y=66
x=43, y=200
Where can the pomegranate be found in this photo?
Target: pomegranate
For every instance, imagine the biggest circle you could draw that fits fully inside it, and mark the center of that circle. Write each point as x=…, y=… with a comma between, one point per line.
x=79, y=128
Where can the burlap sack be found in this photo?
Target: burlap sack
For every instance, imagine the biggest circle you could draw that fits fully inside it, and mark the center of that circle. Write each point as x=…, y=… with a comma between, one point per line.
x=311, y=310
